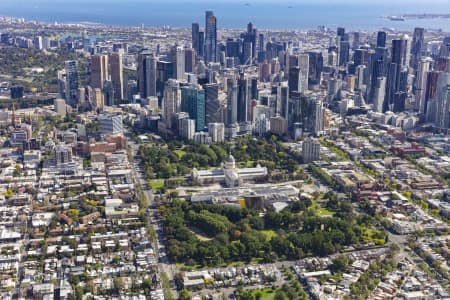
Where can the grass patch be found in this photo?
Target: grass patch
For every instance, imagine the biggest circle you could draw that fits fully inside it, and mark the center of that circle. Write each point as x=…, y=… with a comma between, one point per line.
x=373, y=235
x=156, y=184
x=266, y=294
x=319, y=210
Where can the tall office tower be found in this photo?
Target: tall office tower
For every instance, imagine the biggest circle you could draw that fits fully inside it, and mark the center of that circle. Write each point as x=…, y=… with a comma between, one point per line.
x=71, y=84
x=310, y=151
x=243, y=102
x=423, y=68
x=232, y=101
x=360, y=77
x=189, y=60
x=361, y=57
x=210, y=37
x=381, y=39
x=303, y=63
x=164, y=71
x=254, y=88
x=417, y=46
x=344, y=52
x=99, y=70
x=171, y=101
x=431, y=89
x=195, y=37
x=247, y=56
x=400, y=51
x=179, y=64
x=234, y=48
x=378, y=68
x=294, y=79
x=250, y=37
x=443, y=108
x=315, y=68
x=117, y=74
x=108, y=92
x=396, y=73
x=340, y=32
x=213, y=107
x=146, y=74
x=261, y=49
x=201, y=44
x=442, y=119
x=392, y=84
x=356, y=40
x=282, y=92
x=193, y=102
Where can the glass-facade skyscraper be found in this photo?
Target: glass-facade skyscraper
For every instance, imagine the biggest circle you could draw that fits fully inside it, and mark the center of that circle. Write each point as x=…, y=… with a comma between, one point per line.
x=210, y=37
x=193, y=102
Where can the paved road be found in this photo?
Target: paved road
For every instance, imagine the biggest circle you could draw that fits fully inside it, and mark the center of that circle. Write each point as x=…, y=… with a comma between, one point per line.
x=153, y=219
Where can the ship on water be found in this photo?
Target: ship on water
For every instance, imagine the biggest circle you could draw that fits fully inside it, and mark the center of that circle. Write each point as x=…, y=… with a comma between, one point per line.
x=396, y=18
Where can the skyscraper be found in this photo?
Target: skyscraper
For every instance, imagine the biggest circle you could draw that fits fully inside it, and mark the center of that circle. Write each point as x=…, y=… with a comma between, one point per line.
x=232, y=101
x=379, y=94
x=400, y=51
x=344, y=52
x=261, y=50
x=171, y=101
x=250, y=37
x=201, y=44
x=315, y=67
x=340, y=32
x=195, y=36
x=243, y=101
x=381, y=39
x=421, y=83
x=117, y=74
x=99, y=70
x=210, y=37
x=189, y=60
x=442, y=119
x=212, y=103
x=146, y=75
x=294, y=80
x=193, y=102
x=417, y=46
x=180, y=64
x=71, y=84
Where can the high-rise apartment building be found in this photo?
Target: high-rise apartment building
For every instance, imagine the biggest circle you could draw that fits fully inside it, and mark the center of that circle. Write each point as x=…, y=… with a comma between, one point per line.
x=99, y=70
x=117, y=74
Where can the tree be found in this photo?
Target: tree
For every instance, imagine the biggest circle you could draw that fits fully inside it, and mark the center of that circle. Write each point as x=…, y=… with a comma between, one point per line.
x=184, y=295
x=280, y=295
x=340, y=263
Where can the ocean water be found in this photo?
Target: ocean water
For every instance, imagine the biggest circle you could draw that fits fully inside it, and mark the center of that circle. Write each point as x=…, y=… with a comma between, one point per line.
x=282, y=14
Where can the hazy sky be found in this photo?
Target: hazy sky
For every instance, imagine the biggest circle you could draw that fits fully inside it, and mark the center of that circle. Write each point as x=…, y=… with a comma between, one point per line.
x=292, y=2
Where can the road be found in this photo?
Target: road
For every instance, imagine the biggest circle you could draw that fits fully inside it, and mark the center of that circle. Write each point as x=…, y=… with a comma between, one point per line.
x=153, y=218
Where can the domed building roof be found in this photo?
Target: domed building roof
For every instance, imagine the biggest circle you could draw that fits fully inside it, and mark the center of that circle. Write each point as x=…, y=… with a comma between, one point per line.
x=230, y=159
